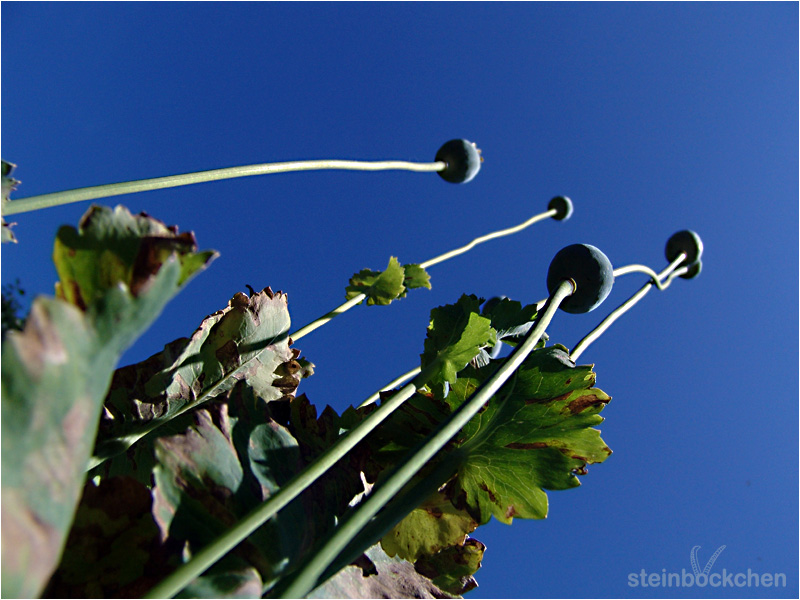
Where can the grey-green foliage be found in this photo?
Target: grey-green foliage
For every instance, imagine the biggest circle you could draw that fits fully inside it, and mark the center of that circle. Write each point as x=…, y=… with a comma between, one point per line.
x=117, y=271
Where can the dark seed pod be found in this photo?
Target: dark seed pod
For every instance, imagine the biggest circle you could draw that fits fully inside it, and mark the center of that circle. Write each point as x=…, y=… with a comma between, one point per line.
x=463, y=161
x=564, y=207
x=688, y=242
x=591, y=271
x=694, y=270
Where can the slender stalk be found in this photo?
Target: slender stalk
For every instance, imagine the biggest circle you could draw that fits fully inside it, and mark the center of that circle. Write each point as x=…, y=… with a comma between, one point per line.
x=394, y=512
x=308, y=577
x=489, y=236
x=206, y=557
x=641, y=269
x=391, y=385
x=669, y=274
x=158, y=183
x=305, y=330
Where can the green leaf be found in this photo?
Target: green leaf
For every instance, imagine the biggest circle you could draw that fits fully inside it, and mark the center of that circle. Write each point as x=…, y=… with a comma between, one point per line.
x=510, y=318
x=453, y=568
x=535, y=434
x=55, y=374
x=380, y=287
x=245, y=341
x=456, y=334
x=380, y=577
x=434, y=525
x=415, y=277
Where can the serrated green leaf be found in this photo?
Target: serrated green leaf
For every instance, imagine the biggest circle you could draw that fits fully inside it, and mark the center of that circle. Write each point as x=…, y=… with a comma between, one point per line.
x=380, y=287
x=415, y=277
x=509, y=318
x=434, y=525
x=55, y=374
x=534, y=435
x=455, y=336
x=452, y=569
x=110, y=248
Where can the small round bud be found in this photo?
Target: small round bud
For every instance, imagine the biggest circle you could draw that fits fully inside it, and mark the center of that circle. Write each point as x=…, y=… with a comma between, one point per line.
x=686, y=241
x=591, y=271
x=564, y=207
x=463, y=161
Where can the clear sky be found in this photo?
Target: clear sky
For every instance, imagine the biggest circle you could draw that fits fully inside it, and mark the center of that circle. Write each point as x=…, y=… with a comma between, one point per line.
x=652, y=117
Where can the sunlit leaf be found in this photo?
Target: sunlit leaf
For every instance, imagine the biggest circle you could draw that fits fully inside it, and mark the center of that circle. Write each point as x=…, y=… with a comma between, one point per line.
x=434, y=525
x=416, y=277
x=455, y=336
x=535, y=434
x=452, y=569
x=380, y=287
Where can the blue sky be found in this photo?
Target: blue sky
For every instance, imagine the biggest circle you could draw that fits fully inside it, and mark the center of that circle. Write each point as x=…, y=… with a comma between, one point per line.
x=652, y=117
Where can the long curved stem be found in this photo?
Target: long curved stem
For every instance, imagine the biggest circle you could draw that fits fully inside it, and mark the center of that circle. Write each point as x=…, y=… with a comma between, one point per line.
x=158, y=183
x=489, y=236
x=305, y=330
x=668, y=274
x=315, y=324
x=308, y=577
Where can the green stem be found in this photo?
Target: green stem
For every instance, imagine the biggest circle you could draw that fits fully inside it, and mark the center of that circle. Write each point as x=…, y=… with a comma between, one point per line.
x=670, y=272
x=391, y=385
x=305, y=330
x=342, y=308
x=158, y=183
x=489, y=236
x=394, y=512
x=308, y=577
x=206, y=557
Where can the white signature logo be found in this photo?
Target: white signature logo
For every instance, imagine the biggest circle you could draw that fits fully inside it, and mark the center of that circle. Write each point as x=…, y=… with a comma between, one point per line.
x=709, y=564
